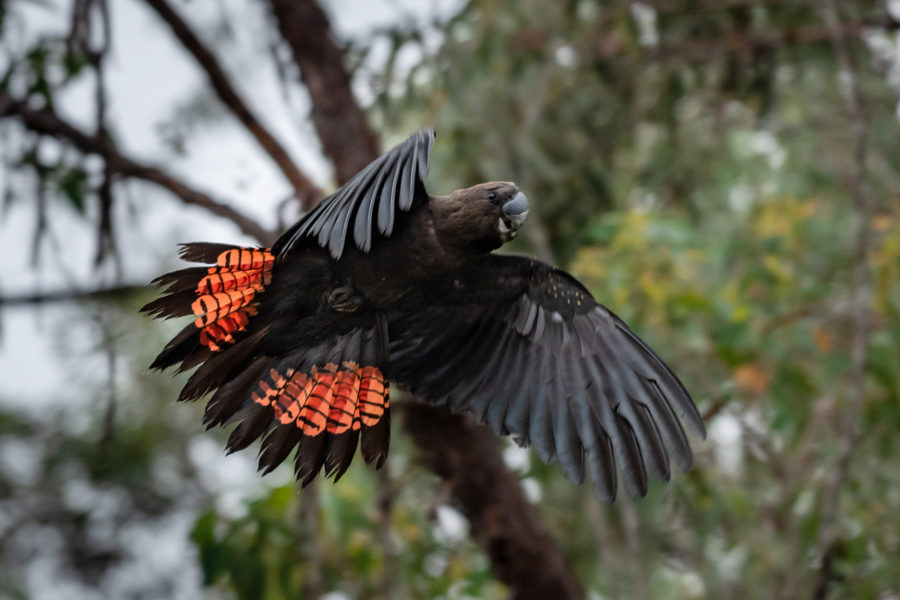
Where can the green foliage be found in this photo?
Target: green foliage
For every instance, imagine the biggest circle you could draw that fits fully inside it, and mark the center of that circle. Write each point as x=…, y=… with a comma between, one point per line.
x=74, y=185
x=258, y=552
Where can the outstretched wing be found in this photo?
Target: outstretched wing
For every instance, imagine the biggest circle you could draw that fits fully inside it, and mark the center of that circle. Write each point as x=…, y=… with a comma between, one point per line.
x=367, y=204
x=527, y=350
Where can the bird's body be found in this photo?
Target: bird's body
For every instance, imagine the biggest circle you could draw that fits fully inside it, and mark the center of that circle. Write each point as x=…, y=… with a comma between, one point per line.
x=383, y=281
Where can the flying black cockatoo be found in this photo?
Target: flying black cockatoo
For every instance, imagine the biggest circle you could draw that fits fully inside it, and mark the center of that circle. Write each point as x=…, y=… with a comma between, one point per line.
x=384, y=282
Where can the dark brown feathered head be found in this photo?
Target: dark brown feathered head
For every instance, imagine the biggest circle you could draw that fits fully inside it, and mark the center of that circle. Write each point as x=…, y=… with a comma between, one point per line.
x=482, y=217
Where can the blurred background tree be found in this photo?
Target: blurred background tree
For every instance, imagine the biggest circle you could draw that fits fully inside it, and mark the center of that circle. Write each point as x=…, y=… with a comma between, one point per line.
x=723, y=174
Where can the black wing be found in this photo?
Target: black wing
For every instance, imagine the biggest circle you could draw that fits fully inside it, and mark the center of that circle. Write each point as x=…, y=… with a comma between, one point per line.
x=368, y=202
x=527, y=350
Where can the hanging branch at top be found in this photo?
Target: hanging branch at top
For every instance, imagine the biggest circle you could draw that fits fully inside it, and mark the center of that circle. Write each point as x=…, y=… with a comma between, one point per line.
x=306, y=191
x=341, y=124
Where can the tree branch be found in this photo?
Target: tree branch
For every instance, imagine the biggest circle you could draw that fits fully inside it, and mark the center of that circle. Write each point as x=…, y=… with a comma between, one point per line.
x=522, y=552
x=307, y=192
x=117, y=291
x=340, y=122
x=45, y=122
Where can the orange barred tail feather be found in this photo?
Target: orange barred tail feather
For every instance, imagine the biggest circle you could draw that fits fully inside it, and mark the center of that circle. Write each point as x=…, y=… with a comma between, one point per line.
x=337, y=403
x=324, y=400
x=329, y=398
x=222, y=297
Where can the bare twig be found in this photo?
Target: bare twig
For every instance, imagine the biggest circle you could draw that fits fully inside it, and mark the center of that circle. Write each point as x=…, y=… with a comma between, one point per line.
x=45, y=122
x=105, y=238
x=848, y=428
x=307, y=193
x=72, y=295
x=40, y=192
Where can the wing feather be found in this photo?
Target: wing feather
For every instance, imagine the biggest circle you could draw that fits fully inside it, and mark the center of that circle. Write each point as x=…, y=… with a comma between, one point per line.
x=364, y=221
x=597, y=447
x=569, y=450
x=386, y=205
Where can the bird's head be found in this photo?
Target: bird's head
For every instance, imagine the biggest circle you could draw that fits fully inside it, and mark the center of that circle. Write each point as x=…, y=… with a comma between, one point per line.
x=482, y=217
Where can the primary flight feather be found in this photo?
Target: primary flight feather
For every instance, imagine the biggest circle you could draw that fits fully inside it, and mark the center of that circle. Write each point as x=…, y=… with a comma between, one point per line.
x=383, y=282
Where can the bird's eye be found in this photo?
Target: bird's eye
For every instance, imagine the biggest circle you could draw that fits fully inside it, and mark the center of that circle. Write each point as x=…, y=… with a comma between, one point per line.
x=492, y=196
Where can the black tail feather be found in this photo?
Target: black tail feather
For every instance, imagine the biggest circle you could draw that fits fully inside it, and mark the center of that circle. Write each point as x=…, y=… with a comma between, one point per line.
x=220, y=368
x=178, y=349
x=171, y=305
x=254, y=421
x=376, y=441
x=229, y=398
x=277, y=445
x=309, y=458
x=202, y=252
x=341, y=449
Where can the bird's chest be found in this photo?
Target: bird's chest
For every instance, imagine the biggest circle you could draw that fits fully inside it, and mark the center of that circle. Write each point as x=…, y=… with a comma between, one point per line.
x=396, y=266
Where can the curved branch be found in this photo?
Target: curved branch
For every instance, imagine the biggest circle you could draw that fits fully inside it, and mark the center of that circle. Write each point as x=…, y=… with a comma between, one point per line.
x=45, y=122
x=340, y=123
x=307, y=192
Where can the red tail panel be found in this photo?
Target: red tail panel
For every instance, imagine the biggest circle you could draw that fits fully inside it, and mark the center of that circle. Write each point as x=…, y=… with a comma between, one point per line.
x=224, y=302
x=328, y=398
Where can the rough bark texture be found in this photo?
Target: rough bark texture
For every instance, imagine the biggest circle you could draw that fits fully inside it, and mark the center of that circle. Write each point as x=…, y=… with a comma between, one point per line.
x=467, y=457
x=340, y=123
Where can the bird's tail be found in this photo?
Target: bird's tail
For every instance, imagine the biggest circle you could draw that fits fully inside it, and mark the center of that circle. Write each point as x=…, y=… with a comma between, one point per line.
x=223, y=296
x=313, y=382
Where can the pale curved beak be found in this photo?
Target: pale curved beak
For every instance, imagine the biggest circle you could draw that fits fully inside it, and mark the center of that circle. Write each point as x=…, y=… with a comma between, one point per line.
x=515, y=210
